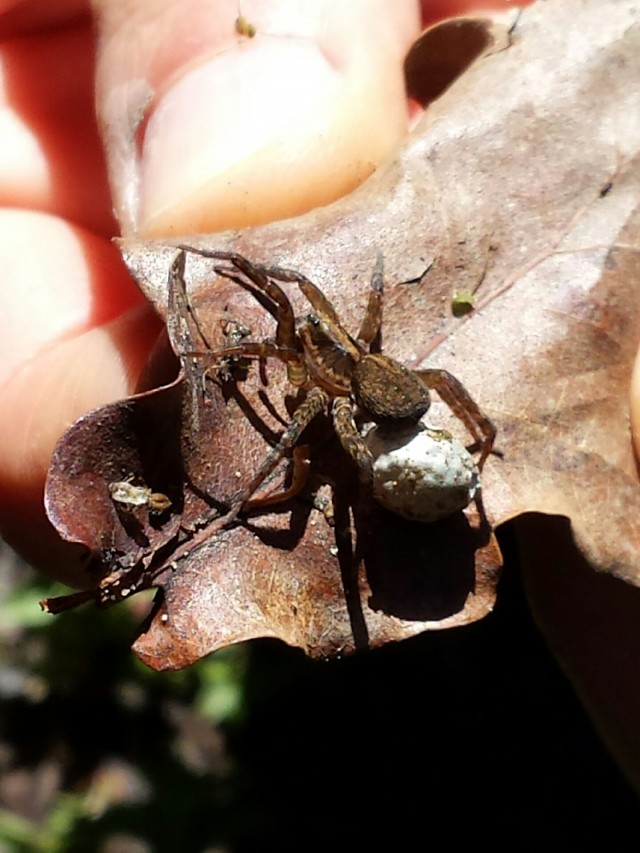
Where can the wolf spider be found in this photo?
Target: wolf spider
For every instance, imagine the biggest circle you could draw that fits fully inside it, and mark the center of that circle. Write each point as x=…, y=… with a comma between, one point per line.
x=348, y=376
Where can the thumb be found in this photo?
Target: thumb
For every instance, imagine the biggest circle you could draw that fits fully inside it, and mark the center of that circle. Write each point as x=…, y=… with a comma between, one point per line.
x=207, y=128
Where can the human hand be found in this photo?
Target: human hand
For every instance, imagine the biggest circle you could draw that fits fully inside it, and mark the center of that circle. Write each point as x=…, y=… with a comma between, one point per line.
x=203, y=130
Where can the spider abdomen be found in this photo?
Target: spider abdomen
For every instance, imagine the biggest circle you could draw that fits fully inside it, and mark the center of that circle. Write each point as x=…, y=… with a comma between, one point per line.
x=388, y=390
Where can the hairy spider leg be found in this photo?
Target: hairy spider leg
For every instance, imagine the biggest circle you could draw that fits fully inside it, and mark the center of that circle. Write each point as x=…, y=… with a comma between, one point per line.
x=350, y=438
x=179, y=304
x=456, y=396
x=319, y=302
x=251, y=349
x=286, y=323
x=313, y=404
x=285, y=319
x=325, y=316
x=261, y=275
x=370, y=334
x=284, y=349
x=299, y=477
x=258, y=275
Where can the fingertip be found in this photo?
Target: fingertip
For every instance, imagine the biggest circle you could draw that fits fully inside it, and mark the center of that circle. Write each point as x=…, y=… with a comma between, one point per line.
x=76, y=333
x=241, y=131
x=63, y=382
x=60, y=280
x=283, y=133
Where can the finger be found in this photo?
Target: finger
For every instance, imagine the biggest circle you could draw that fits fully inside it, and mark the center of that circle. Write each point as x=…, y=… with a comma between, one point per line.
x=207, y=129
x=51, y=156
x=22, y=17
x=76, y=334
x=75, y=330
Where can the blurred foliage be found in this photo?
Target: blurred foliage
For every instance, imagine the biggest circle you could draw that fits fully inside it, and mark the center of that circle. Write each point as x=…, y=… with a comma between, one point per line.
x=93, y=745
x=445, y=737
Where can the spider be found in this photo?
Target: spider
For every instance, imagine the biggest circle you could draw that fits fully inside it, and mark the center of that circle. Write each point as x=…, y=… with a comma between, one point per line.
x=349, y=377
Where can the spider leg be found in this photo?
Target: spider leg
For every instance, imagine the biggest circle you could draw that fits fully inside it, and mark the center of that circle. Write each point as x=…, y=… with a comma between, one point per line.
x=319, y=302
x=315, y=401
x=463, y=406
x=350, y=438
x=258, y=275
x=312, y=405
x=286, y=324
x=180, y=308
x=252, y=349
x=299, y=479
x=285, y=321
x=296, y=367
x=370, y=333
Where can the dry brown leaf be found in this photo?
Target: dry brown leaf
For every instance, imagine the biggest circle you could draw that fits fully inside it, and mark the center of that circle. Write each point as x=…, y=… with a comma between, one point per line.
x=521, y=183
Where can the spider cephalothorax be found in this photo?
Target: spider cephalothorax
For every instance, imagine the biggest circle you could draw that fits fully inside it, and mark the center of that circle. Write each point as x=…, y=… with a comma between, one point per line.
x=348, y=376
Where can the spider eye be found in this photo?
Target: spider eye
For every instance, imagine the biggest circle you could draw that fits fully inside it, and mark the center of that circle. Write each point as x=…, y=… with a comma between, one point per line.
x=313, y=320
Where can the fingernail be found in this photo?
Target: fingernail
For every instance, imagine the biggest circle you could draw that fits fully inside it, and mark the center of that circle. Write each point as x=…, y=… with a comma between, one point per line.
x=262, y=132
x=209, y=137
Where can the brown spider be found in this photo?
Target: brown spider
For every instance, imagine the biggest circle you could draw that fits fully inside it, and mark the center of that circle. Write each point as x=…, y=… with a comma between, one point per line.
x=333, y=370
x=348, y=376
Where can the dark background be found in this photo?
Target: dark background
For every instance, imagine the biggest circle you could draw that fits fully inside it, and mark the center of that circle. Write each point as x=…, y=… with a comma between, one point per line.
x=463, y=737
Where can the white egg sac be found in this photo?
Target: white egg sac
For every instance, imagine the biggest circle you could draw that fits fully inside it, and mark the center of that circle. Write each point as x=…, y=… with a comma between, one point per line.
x=420, y=472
